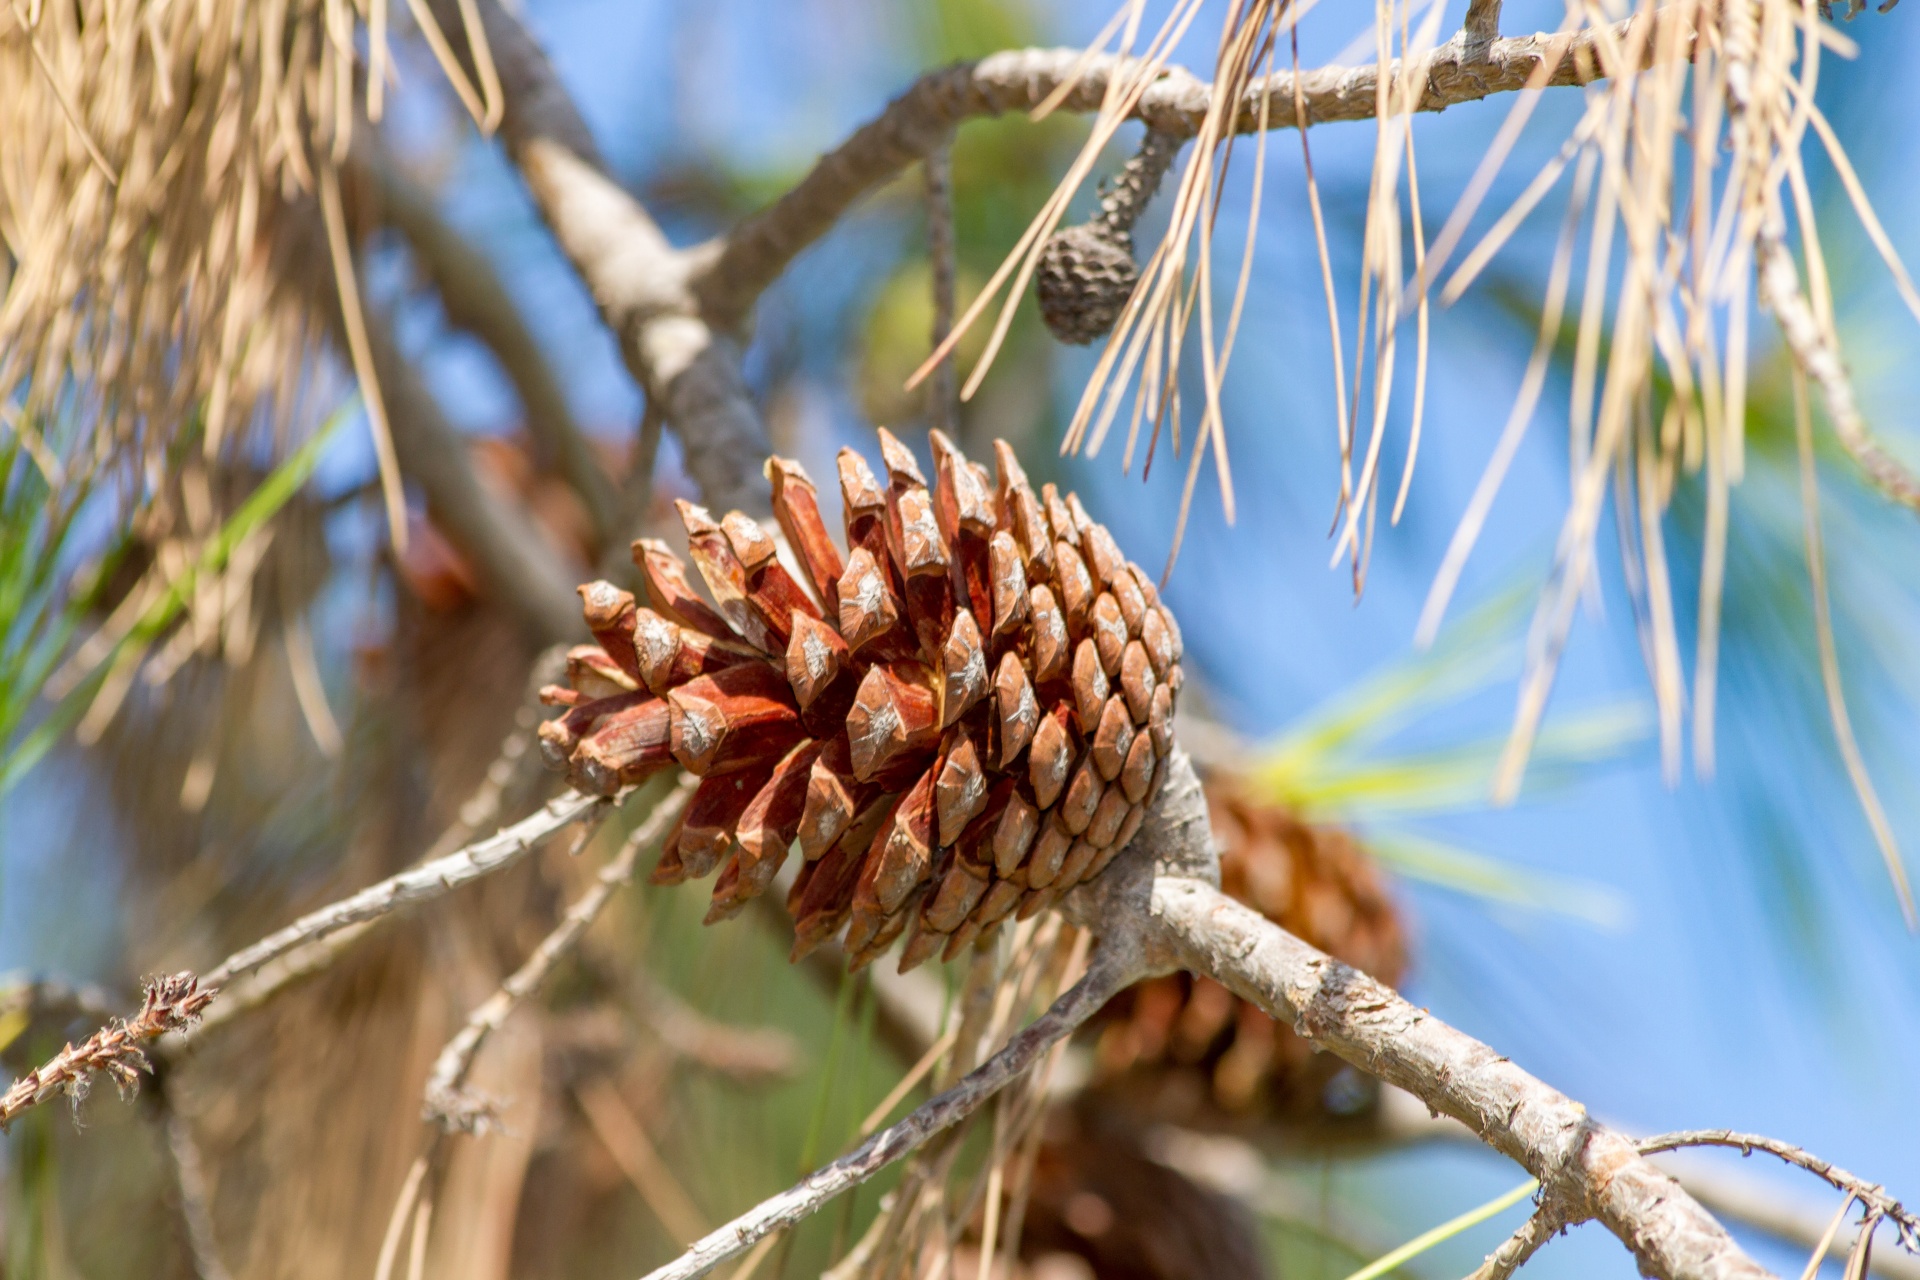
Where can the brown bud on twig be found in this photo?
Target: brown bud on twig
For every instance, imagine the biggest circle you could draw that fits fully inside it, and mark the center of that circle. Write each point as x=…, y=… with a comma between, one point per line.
x=171, y=1004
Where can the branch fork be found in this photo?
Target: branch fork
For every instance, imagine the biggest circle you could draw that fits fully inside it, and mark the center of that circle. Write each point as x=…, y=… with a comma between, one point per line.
x=1159, y=907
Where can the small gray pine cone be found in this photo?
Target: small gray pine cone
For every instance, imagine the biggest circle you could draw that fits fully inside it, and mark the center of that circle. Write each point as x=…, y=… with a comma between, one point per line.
x=1086, y=275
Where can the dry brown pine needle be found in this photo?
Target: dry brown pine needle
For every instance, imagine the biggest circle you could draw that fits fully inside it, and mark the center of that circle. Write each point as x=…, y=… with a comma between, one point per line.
x=172, y=1004
x=958, y=719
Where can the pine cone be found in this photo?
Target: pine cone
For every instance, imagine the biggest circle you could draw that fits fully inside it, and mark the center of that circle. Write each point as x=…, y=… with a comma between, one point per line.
x=965, y=717
x=1085, y=276
x=1318, y=884
x=1087, y=272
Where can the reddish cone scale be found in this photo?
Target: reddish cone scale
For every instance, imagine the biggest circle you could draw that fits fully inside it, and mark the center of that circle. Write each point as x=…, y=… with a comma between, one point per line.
x=956, y=721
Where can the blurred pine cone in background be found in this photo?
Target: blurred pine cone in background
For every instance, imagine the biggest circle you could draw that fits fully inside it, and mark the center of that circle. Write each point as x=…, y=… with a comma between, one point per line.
x=1190, y=1042
x=1097, y=1197
x=964, y=716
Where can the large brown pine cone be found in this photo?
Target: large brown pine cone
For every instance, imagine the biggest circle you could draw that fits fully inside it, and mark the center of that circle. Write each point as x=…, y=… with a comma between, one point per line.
x=1318, y=884
x=965, y=716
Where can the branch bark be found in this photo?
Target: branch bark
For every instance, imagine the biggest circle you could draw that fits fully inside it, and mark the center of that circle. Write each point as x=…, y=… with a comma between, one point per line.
x=1483, y=20
x=638, y=279
x=754, y=254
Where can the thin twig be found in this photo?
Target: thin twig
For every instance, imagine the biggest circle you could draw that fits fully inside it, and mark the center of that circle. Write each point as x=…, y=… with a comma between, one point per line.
x=420, y=884
x=196, y=1197
x=1780, y=294
x=446, y=1105
x=1402, y=1119
x=1870, y=1194
x=1514, y=1251
x=1112, y=970
x=446, y=1101
x=515, y=761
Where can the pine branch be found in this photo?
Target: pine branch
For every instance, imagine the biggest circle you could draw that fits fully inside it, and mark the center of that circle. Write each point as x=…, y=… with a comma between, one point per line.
x=636, y=277
x=1591, y=1170
x=1159, y=908
x=753, y=255
x=1763, y=1206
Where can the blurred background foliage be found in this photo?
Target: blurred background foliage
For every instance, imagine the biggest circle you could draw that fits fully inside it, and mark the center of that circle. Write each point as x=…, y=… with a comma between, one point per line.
x=225, y=698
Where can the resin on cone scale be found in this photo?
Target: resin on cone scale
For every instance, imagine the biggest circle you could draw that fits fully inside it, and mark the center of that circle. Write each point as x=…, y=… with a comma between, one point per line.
x=956, y=712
